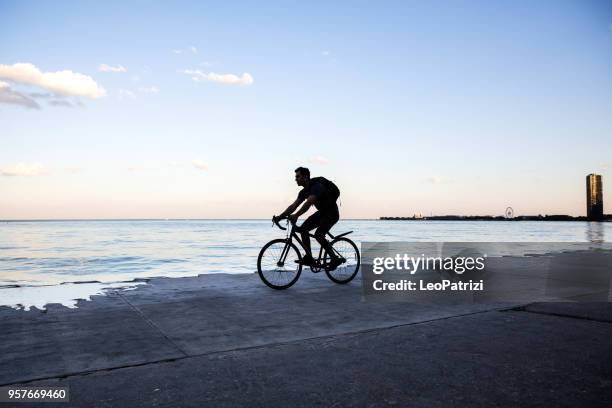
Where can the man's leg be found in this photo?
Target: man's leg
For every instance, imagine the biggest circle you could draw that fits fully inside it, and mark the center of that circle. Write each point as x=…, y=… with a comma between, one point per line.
x=310, y=223
x=326, y=223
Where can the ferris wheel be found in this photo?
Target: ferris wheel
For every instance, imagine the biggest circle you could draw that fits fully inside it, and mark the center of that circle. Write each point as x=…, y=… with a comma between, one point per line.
x=509, y=213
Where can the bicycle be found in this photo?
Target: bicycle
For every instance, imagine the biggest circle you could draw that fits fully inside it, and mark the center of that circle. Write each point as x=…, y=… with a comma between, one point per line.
x=278, y=269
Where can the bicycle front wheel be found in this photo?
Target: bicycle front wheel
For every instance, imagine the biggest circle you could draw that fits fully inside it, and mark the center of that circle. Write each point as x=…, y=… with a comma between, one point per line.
x=348, y=252
x=276, y=264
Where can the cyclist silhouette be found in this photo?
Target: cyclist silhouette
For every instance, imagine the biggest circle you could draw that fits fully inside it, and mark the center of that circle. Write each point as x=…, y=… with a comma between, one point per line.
x=323, y=194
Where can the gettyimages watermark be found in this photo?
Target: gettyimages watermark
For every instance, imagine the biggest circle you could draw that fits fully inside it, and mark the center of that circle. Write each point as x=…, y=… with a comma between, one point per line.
x=471, y=272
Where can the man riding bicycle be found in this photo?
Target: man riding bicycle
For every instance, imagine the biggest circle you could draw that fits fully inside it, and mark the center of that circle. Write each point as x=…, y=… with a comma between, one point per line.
x=323, y=194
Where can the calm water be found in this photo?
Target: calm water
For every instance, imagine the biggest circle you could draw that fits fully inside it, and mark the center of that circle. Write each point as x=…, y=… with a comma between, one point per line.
x=38, y=253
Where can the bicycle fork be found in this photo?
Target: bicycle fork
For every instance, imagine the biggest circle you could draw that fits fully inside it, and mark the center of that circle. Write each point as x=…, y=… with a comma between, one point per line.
x=283, y=257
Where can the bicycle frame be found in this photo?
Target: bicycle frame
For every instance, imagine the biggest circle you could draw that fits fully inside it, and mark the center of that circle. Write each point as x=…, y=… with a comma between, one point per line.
x=291, y=235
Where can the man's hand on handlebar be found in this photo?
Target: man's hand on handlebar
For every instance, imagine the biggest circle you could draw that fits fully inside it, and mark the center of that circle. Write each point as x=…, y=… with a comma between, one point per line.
x=278, y=218
x=292, y=219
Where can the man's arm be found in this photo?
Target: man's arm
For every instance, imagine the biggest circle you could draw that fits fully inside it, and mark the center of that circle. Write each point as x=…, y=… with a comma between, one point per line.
x=309, y=201
x=291, y=208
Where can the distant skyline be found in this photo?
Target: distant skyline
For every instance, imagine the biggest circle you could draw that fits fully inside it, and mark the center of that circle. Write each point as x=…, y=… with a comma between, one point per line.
x=204, y=109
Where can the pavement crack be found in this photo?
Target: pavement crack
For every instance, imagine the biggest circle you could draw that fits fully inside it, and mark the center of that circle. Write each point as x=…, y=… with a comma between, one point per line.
x=555, y=314
x=152, y=324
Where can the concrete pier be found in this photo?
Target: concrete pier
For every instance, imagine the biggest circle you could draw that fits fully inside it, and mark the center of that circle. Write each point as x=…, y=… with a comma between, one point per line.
x=227, y=340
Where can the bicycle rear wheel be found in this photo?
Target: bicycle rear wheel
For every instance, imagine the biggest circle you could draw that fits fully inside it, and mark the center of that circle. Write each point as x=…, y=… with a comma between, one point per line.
x=276, y=264
x=348, y=251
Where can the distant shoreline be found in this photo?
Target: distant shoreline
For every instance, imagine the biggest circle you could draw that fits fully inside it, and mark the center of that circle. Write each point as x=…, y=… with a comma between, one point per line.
x=607, y=218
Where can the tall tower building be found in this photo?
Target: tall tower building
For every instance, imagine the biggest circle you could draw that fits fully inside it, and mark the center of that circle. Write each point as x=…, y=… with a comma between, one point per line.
x=594, y=191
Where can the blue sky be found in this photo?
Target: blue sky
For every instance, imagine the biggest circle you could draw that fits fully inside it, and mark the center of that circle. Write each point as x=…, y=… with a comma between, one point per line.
x=432, y=107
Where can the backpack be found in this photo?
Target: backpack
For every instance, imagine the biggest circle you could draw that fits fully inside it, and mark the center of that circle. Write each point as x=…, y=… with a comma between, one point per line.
x=333, y=192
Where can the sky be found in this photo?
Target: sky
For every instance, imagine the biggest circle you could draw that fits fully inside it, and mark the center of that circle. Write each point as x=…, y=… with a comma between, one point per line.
x=204, y=109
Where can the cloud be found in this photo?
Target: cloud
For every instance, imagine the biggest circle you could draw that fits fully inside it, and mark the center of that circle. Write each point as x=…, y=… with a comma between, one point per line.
x=41, y=95
x=319, y=160
x=10, y=97
x=64, y=104
x=192, y=49
x=149, y=89
x=199, y=164
x=66, y=83
x=109, y=68
x=326, y=53
x=227, y=79
x=126, y=94
x=24, y=169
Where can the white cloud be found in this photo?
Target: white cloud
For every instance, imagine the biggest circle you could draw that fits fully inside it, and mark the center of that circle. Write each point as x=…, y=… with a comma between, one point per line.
x=228, y=79
x=319, y=160
x=109, y=68
x=10, y=97
x=24, y=169
x=126, y=94
x=40, y=95
x=61, y=103
x=326, y=53
x=149, y=89
x=192, y=49
x=66, y=83
x=199, y=164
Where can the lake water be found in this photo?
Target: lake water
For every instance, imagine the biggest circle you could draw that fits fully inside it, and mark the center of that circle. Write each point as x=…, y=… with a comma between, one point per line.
x=35, y=253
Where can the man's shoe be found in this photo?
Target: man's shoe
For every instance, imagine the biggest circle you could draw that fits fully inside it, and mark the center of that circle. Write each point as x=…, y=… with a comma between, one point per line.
x=334, y=263
x=306, y=261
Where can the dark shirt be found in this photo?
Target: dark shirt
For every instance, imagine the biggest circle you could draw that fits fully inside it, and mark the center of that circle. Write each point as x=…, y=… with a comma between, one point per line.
x=322, y=203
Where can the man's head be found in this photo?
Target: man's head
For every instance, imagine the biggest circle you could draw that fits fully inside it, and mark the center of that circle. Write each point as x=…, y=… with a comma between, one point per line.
x=302, y=176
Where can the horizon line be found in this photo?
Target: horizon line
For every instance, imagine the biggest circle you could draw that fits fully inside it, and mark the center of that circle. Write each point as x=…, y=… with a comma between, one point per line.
x=161, y=219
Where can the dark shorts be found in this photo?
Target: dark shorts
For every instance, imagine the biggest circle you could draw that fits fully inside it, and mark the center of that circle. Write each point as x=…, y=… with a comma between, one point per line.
x=322, y=221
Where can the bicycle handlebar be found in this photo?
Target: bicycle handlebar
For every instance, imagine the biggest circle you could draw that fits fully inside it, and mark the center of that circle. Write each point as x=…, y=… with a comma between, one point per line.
x=277, y=224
